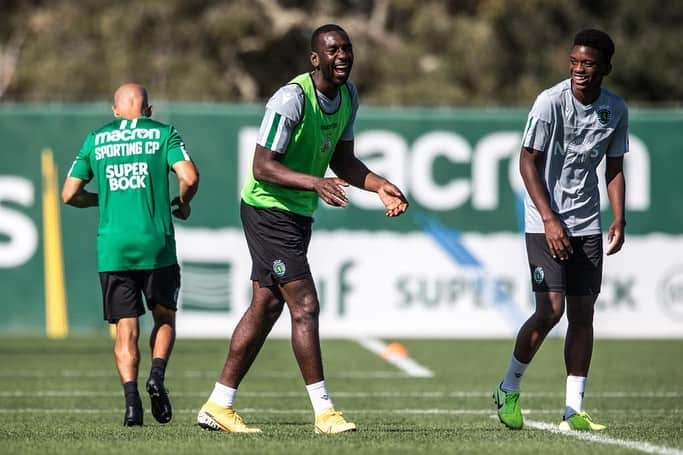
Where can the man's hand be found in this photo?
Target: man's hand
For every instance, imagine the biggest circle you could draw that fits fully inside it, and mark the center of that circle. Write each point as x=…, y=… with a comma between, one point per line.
x=557, y=239
x=330, y=190
x=393, y=199
x=183, y=210
x=615, y=237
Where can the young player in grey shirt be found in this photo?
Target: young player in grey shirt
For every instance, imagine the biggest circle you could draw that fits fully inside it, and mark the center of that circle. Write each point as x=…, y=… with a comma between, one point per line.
x=571, y=127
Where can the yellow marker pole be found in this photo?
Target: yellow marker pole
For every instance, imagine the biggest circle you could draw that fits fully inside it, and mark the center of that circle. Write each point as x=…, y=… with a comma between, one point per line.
x=56, y=321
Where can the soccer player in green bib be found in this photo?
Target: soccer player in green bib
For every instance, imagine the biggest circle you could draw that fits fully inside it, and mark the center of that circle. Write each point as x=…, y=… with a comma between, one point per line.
x=307, y=126
x=130, y=159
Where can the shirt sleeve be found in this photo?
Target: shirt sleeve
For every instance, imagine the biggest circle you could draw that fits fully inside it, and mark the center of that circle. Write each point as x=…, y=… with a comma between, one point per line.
x=348, y=135
x=538, y=126
x=619, y=144
x=81, y=168
x=176, y=148
x=283, y=113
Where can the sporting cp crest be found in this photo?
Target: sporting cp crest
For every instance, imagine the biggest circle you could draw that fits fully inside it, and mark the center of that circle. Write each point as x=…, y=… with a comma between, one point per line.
x=604, y=116
x=279, y=267
x=539, y=275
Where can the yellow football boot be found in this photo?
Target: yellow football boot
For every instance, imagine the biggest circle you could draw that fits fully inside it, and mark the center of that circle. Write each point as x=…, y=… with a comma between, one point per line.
x=217, y=418
x=332, y=422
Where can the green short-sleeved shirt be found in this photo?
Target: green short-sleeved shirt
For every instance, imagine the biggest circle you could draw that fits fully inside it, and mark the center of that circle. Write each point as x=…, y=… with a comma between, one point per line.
x=130, y=161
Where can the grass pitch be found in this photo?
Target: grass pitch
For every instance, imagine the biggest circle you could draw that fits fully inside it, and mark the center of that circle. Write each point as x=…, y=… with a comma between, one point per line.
x=64, y=397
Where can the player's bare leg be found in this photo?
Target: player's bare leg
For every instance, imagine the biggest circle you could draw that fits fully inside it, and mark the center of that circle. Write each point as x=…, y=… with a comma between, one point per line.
x=126, y=351
x=578, y=350
x=549, y=310
x=127, y=358
x=251, y=332
x=161, y=343
x=162, y=338
x=246, y=342
x=578, y=343
x=302, y=300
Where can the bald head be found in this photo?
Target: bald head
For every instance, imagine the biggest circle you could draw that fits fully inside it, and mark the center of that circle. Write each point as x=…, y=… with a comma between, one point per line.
x=130, y=102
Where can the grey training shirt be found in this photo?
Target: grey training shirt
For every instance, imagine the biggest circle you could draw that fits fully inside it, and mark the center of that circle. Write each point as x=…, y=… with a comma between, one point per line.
x=573, y=138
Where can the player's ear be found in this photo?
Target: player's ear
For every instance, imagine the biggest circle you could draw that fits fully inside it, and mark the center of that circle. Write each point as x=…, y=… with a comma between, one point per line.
x=147, y=112
x=315, y=59
x=114, y=111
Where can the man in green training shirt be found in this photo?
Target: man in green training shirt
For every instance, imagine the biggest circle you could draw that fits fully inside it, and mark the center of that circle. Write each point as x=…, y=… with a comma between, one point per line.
x=308, y=126
x=130, y=159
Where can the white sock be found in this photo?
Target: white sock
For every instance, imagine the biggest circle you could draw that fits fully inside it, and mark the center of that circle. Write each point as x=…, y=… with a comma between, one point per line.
x=576, y=385
x=320, y=399
x=513, y=377
x=223, y=395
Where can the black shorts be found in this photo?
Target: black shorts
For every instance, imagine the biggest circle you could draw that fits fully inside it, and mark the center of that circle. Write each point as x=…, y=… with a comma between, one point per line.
x=122, y=291
x=278, y=244
x=580, y=275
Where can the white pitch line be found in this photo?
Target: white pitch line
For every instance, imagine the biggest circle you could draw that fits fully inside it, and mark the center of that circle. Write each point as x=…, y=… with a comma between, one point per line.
x=404, y=363
x=599, y=438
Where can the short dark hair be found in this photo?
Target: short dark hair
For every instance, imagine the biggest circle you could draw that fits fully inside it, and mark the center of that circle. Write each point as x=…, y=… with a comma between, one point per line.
x=597, y=39
x=325, y=29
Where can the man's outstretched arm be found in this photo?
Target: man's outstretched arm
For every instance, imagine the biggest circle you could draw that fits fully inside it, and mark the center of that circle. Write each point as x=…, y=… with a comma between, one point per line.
x=346, y=165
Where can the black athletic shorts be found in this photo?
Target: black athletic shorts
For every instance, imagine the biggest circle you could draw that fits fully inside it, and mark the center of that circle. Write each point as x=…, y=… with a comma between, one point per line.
x=580, y=275
x=278, y=244
x=122, y=291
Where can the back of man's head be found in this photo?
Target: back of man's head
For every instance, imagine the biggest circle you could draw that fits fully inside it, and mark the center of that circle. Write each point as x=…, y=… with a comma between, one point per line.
x=131, y=101
x=596, y=39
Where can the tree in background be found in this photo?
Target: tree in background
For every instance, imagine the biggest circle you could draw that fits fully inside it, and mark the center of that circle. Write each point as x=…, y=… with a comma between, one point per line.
x=409, y=52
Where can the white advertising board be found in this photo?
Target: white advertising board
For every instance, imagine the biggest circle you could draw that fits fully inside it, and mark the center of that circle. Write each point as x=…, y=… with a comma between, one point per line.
x=385, y=284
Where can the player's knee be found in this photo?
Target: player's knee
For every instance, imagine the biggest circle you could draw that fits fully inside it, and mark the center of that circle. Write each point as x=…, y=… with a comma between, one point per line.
x=549, y=319
x=127, y=330
x=549, y=310
x=273, y=309
x=306, y=309
x=163, y=316
x=581, y=317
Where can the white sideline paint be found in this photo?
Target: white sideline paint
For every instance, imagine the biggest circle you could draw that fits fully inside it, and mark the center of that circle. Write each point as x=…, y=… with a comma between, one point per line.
x=406, y=364
x=599, y=438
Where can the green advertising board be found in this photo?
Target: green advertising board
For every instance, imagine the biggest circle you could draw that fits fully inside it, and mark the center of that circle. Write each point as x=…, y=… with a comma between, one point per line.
x=456, y=166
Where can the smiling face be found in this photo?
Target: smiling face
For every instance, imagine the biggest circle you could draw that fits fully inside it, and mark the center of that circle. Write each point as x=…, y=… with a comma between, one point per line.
x=587, y=67
x=333, y=57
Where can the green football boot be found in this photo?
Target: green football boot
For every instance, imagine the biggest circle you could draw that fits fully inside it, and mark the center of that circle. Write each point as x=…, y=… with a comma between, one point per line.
x=581, y=421
x=509, y=411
